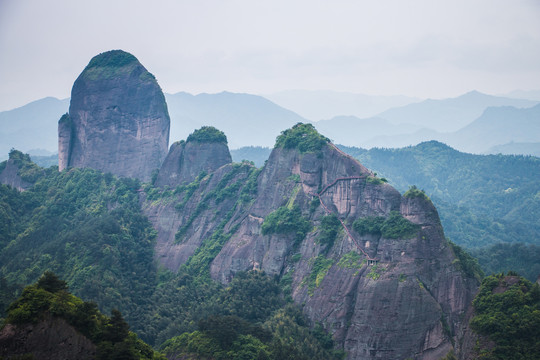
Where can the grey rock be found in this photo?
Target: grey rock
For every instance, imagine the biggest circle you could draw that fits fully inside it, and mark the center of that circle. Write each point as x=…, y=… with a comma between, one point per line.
x=10, y=176
x=118, y=120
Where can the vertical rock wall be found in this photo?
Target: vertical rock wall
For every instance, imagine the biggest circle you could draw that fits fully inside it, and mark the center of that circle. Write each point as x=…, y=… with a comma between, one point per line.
x=118, y=120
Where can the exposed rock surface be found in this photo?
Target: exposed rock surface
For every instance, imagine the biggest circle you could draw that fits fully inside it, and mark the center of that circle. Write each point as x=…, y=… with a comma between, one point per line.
x=214, y=213
x=10, y=176
x=186, y=160
x=50, y=339
x=118, y=120
x=411, y=304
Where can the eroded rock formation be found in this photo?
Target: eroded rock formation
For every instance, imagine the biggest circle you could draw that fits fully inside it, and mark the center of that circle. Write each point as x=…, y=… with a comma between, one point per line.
x=382, y=297
x=50, y=339
x=188, y=159
x=118, y=120
x=10, y=176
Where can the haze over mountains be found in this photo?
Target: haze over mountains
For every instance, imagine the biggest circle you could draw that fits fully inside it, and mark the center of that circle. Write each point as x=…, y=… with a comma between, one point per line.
x=473, y=122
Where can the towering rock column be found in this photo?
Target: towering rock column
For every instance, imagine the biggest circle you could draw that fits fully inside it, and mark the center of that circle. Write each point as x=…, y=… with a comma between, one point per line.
x=118, y=120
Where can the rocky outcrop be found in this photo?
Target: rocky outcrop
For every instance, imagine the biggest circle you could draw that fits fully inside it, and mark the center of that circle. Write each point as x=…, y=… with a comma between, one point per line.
x=19, y=171
x=382, y=297
x=199, y=211
x=118, y=120
x=10, y=176
x=50, y=339
x=187, y=159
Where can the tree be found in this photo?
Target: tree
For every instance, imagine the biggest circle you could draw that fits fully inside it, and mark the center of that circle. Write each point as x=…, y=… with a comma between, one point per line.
x=51, y=283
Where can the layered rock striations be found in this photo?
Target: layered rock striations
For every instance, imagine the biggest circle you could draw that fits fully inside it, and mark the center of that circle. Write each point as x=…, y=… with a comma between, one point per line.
x=394, y=292
x=118, y=120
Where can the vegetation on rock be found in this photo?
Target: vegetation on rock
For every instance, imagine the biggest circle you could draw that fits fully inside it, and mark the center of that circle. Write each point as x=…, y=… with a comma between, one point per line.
x=28, y=171
x=507, y=311
x=302, y=137
x=286, y=221
x=328, y=230
x=113, y=58
x=466, y=263
x=481, y=199
x=49, y=297
x=207, y=134
x=414, y=192
x=394, y=226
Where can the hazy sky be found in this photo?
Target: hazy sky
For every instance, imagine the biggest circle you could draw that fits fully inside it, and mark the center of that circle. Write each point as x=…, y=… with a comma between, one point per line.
x=418, y=48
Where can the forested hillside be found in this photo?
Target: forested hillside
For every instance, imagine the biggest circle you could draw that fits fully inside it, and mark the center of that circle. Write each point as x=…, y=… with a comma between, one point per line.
x=482, y=200
x=88, y=228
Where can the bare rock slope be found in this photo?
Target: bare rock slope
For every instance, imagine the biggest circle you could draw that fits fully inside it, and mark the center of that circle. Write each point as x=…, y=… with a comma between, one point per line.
x=118, y=120
x=387, y=285
x=50, y=339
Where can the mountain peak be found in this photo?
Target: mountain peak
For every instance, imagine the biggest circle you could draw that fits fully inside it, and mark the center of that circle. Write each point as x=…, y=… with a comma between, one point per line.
x=118, y=120
x=303, y=137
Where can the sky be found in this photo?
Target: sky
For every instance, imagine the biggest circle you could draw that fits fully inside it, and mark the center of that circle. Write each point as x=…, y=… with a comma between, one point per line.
x=426, y=49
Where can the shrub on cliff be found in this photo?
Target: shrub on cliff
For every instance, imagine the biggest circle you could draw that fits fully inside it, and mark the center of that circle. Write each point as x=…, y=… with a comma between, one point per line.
x=207, y=134
x=393, y=227
x=286, y=221
x=302, y=137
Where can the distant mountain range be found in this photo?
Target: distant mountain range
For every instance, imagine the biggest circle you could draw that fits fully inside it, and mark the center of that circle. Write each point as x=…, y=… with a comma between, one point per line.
x=251, y=120
x=324, y=104
x=496, y=126
x=31, y=127
x=245, y=119
x=448, y=115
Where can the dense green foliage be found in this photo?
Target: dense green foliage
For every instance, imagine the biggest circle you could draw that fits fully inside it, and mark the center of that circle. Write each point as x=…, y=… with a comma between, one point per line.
x=522, y=258
x=466, y=263
x=394, y=226
x=286, y=221
x=113, y=58
x=481, y=199
x=414, y=192
x=114, y=64
x=28, y=171
x=328, y=230
x=49, y=297
x=302, y=137
x=284, y=335
x=86, y=227
x=207, y=134
x=507, y=310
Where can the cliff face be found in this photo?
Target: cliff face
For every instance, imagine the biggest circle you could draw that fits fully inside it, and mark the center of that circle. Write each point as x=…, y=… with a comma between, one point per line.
x=381, y=296
x=10, y=176
x=186, y=160
x=50, y=339
x=118, y=120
